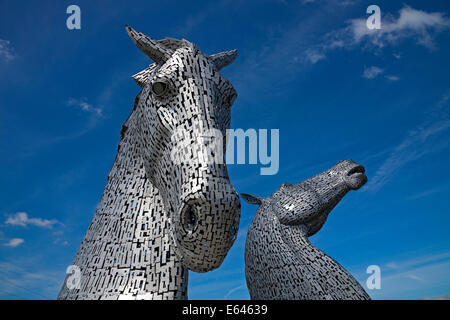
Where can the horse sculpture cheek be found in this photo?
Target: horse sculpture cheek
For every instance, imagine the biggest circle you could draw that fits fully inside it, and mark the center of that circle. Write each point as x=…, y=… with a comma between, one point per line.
x=299, y=210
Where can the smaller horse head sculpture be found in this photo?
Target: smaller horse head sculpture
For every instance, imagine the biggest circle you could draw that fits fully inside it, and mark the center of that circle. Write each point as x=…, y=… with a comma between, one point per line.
x=280, y=261
x=184, y=99
x=309, y=203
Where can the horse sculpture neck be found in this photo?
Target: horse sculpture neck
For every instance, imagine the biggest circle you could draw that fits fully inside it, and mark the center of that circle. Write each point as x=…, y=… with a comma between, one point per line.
x=327, y=278
x=127, y=252
x=302, y=271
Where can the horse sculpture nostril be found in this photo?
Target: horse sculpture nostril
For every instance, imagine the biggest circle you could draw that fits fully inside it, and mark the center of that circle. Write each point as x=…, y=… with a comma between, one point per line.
x=355, y=170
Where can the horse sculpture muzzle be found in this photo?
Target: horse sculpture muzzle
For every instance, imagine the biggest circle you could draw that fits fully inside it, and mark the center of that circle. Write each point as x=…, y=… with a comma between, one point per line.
x=206, y=227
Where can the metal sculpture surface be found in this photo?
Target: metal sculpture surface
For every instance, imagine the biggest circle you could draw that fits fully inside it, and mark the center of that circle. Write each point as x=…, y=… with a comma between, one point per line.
x=159, y=217
x=280, y=261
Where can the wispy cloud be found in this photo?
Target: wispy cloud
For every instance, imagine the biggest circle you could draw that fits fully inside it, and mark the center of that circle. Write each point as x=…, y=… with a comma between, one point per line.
x=230, y=292
x=6, y=51
x=22, y=279
x=22, y=219
x=59, y=234
x=372, y=72
x=196, y=20
x=392, y=78
x=428, y=192
x=442, y=297
x=314, y=56
x=93, y=115
x=216, y=291
x=15, y=242
x=415, y=274
x=415, y=262
x=410, y=275
x=416, y=144
x=84, y=106
x=343, y=3
x=414, y=277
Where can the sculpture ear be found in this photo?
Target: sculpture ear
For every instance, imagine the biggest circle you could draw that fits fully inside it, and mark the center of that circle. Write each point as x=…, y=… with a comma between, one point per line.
x=142, y=77
x=223, y=59
x=152, y=48
x=252, y=199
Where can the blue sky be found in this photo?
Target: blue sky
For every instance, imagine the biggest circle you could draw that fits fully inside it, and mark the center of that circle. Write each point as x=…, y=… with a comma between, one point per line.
x=308, y=68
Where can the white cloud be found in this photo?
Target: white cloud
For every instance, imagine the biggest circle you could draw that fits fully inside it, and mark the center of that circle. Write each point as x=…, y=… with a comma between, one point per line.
x=15, y=242
x=314, y=56
x=61, y=242
x=346, y=3
x=414, y=277
x=22, y=219
x=410, y=24
x=392, y=265
x=372, y=72
x=392, y=78
x=6, y=51
x=84, y=106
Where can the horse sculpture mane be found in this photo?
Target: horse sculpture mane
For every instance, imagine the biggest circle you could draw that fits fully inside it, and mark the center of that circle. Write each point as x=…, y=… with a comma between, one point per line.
x=160, y=216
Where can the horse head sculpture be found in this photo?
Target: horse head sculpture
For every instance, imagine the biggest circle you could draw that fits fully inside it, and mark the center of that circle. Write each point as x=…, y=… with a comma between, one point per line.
x=183, y=97
x=166, y=206
x=280, y=261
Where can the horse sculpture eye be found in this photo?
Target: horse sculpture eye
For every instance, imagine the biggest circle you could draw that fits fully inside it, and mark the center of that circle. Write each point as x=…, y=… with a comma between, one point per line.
x=160, y=88
x=190, y=219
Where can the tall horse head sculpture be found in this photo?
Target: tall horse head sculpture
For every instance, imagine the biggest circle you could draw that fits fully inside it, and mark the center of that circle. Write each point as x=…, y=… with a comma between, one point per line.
x=161, y=213
x=185, y=92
